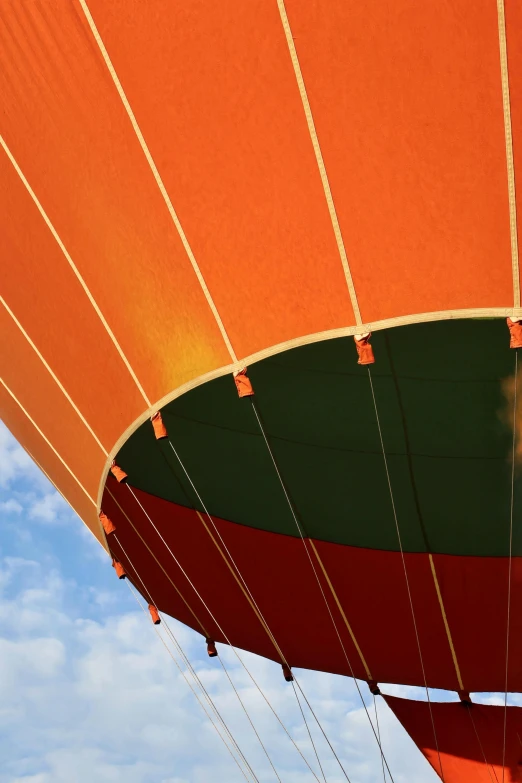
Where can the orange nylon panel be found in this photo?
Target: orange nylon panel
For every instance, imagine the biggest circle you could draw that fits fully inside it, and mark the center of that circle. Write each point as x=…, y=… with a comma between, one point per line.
x=43, y=293
x=27, y=378
x=407, y=102
x=25, y=433
x=214, y=93
x=470, y=740
x=68, y=130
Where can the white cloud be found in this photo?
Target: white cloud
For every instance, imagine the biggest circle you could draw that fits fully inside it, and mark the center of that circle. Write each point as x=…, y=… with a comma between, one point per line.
x=85, y=700
x=11, y=506
x=48, y=508
x=88, y=693
x=14, y=461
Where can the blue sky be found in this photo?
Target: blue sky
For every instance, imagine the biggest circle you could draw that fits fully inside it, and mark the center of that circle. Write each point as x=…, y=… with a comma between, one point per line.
x=88, y=692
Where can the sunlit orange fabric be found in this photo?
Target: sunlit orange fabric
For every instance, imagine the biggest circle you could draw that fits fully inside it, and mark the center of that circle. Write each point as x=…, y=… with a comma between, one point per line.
x=120, y=571
x=118, y=473
x=515, y=333
x=470, y=739
x=364, y=350
x=108, y=526
x=243, y=384
x=419, y=190
x=154, y=614
x=160, y=431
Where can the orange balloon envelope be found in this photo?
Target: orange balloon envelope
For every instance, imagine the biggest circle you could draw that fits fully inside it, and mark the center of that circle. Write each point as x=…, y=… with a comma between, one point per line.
x=177, y=237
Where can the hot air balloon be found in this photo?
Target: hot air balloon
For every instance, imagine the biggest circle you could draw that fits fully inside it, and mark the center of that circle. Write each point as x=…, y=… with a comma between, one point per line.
x=260, y=319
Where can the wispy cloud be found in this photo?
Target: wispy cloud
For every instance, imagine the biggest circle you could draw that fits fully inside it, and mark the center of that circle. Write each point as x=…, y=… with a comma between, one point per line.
x=50, y=508
x=11, y=506
x=14, y=461
x=88, y=692
x=85, y=700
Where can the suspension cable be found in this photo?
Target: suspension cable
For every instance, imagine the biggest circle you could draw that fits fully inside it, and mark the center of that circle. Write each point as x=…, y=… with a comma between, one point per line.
x=255, y=605
x=221, y=629
x=309, y=733
x=405, y=572
x=379, y=735
x=187, y=662
x=327, y=604
x=248, y=717
x=481, y=748
x=169, y=651
x=303, y=694
x=512, y=503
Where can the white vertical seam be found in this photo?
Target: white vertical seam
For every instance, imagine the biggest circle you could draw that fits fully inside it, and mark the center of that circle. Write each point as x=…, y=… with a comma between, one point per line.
x=74, y=268
x=54, y=376
x=157, y=177
x=506, y=103
x=319, y=158
x=46, y=439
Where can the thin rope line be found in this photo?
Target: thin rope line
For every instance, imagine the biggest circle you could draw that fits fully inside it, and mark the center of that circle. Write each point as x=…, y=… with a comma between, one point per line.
x=157, y=177
x=341, y=610
x=469, y=709
x=249, y=718
x=379, y=734
x=102, y=539
x=187, y=661
x=195, y=674
x=37, y=428
x=319, y=159
x=220, y=628
x=264, y=622
x=192, y=612
x=292, y=511
x=405, y=573
x=54, y=376
x=510, y=559
x=309, y=732
x=183, y=674
x=303, y=694
x=506, y=105
x=237, y=571
x=242, y=584
x=74, y=269
x=191, y=668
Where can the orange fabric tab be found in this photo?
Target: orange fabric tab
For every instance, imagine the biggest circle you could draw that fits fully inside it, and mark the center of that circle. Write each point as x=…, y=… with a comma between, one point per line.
x=364, y=350
x=160, y=431
x=120, y=571
x=243, y=384
x=287, y=674
x=211, y=648
x=107, y=524
x=515, y=333
x=118, y=473
x=154, y=614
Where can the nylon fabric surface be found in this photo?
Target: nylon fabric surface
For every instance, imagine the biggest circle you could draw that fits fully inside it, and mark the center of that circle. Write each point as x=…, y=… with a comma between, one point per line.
x=470, y=739
x=369, y=585
x=419, y=188
x=442, y=390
